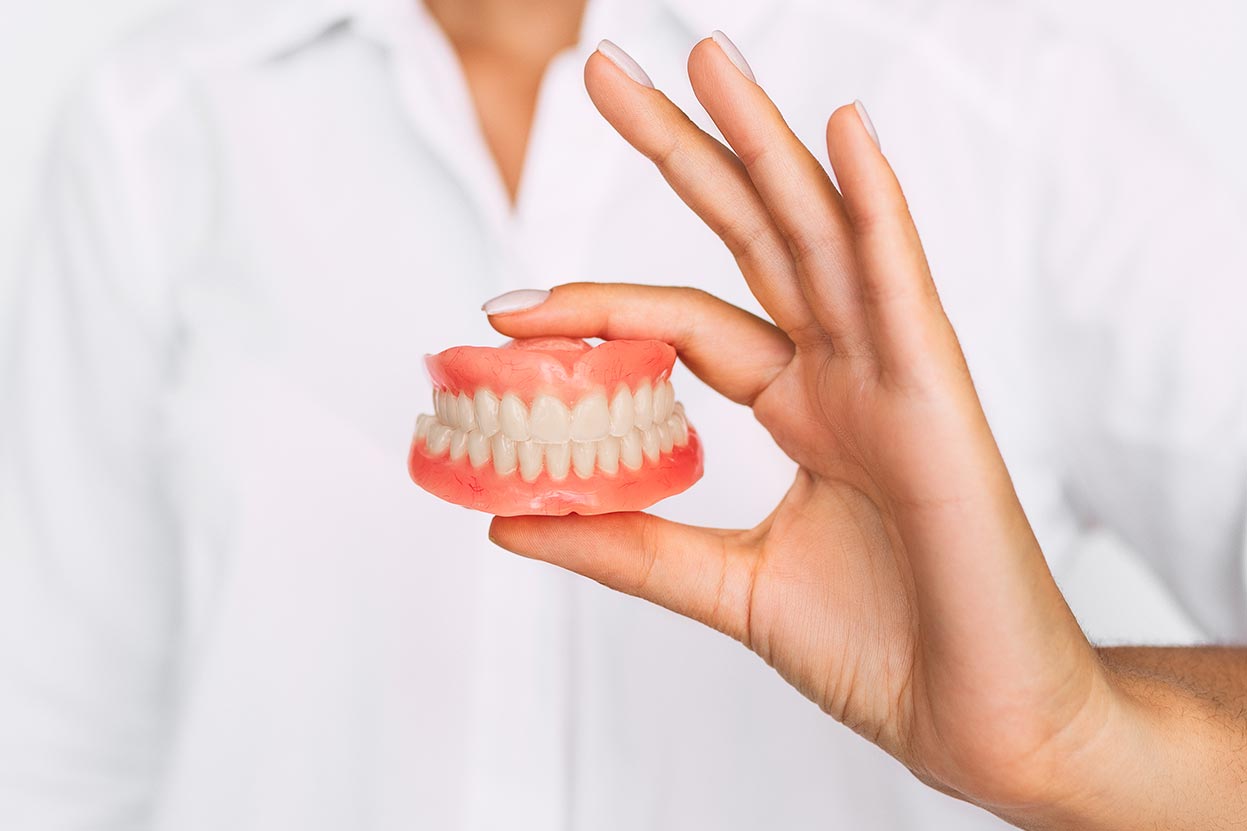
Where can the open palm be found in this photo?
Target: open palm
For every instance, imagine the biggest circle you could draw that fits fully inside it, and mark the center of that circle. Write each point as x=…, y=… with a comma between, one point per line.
x=897, y=584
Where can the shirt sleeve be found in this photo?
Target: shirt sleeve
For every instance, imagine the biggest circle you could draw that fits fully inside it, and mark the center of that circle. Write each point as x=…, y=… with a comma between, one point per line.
x=89, y=562
x=1143, y=253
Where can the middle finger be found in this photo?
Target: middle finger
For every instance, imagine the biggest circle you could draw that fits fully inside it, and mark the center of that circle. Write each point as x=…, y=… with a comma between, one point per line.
x=794, y=187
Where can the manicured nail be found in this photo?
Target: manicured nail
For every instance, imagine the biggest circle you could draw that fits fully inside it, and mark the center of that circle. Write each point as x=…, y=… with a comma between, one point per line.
x=626, y=64
x=733, y=54
x=515, y=301
x=866, y=122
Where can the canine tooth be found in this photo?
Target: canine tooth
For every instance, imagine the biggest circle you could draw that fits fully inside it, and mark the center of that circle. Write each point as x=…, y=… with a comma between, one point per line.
x=530, y=459
x=550, y=420
x=513, y=417
x=664, y=401
x=679, y=427
x=466, y=413
x=486, y=412
x=584, y=453
x=643, y=399
x=423, y=422
x=650, y=443
x=666, y=437
x=591, y=418
x=558, y=460
x=630, y=450
x=439, y=438
x=622, y=414
x=503, y=451
x=608, y=454
x=458, y=445
x=478, y=448
x=442, y=405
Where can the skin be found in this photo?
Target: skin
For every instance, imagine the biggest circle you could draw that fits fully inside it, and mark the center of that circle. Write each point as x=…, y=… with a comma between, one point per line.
x=898, y=584
x=504, y=47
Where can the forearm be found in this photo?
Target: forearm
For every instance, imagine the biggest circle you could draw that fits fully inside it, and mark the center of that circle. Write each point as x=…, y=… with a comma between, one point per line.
x=1173, y=753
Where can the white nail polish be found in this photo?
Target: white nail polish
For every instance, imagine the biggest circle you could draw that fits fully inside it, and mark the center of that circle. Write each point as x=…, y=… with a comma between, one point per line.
x=866, y=122
x=515, y=301
x=733, y=54
x=625, y=62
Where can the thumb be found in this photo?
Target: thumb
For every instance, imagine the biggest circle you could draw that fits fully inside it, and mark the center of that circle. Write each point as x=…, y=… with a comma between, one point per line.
x=702, y=573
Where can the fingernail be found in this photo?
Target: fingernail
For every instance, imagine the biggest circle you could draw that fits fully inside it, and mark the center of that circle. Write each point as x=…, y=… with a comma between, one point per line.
x=515, y=301
x=733, y=54
x=625, y=62
x=866, y=122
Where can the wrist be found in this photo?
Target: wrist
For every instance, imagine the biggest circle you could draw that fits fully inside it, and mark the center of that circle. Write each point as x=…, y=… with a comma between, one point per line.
x=1148, y=745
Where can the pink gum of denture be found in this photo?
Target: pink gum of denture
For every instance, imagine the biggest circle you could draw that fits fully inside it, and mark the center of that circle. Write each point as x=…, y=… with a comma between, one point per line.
x=554, y=426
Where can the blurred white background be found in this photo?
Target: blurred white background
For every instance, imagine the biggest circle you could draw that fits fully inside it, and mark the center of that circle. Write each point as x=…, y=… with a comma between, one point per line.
x=1193, y=53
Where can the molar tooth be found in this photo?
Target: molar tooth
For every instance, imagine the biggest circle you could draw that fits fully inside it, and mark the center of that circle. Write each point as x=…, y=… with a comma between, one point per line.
x=504, y=454
x=666, y=437
x=630, y=450
x=478, y=448
x=439, y=438
x=650, y=443
x=550, y=421
x=664, y=401
x=466, y=412
x=458, y=445
x=558, y=460
x=591, y=418
x=643, y=399
x=487, y=412
x=623, y=416
x=679, y=427
x=608, y=455
x=530, y=459
x=513, y=417
x=584, y=453
x=423, y=422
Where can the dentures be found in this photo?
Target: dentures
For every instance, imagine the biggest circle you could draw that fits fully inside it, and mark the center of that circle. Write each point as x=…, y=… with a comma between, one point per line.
x=554, y=426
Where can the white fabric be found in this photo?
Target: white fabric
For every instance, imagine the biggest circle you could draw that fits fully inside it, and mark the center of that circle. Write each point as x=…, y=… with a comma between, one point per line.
x=230, y=608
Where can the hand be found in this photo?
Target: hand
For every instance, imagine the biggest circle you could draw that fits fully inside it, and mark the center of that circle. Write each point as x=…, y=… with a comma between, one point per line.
x=898, y=584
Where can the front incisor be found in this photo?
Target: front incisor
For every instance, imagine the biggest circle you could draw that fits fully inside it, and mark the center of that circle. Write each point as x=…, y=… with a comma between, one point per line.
x=549, y=422
x=591, y=418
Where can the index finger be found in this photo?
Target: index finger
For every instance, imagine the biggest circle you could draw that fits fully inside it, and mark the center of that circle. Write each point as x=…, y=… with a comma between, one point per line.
x=735, y=352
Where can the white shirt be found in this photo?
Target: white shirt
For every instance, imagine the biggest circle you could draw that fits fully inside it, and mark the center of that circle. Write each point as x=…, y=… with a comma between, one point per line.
x=228, y=608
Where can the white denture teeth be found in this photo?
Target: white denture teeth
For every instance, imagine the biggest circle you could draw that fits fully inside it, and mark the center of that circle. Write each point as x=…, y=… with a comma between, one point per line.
x=530, y=460
x=631, y=427
x=666, y=438
x=630, y=450
x=478, y=448
x=591, y=418
x=664, y=401
x=486, y=412
x=458, y=445
x=643, y=399
x=558, y=460
x=513, y=417
x=504, y=453
x=622, y=414
x=439, y=438
x=650, y=444
x=608, y=455
x=584, y=456
x=466, y=411
x=550, y=422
